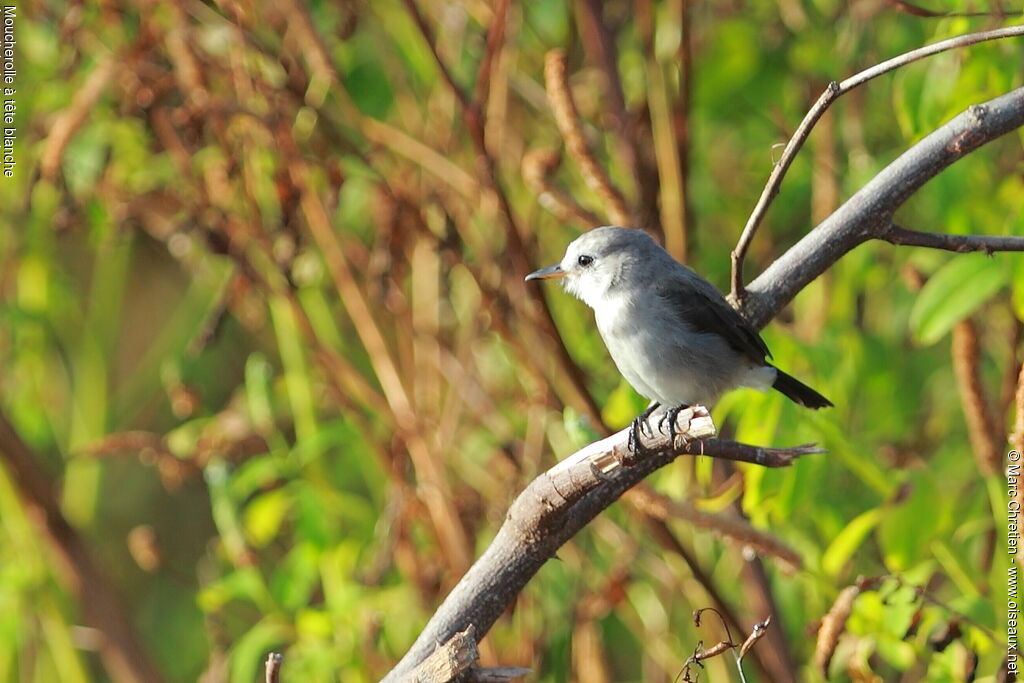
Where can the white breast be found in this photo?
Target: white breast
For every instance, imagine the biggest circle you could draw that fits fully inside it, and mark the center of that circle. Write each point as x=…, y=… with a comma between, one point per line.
x=668, y=361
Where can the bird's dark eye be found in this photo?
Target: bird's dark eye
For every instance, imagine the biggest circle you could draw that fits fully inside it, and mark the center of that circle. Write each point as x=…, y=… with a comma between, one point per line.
x=585, y=260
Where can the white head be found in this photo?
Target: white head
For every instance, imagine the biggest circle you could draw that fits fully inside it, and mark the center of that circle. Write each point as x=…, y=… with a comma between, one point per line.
x=600, y=262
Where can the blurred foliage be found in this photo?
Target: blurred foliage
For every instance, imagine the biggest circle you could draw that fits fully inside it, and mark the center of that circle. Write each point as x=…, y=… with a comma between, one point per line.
x=263, y=324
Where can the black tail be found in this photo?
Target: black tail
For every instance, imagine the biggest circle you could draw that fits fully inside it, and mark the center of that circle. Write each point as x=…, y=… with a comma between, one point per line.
x=798, y=392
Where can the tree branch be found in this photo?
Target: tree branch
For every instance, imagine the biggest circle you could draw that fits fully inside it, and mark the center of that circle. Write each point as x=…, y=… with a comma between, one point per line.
x=868, y=213
x=555, y=506
x=831, y=94
x=900, y=236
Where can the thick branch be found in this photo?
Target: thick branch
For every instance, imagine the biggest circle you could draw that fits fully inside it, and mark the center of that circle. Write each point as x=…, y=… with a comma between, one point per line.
x=868, y=214
x=553, y=508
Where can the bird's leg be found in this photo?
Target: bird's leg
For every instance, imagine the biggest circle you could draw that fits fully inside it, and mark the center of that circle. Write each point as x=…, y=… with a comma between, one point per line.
x=670, y=416
x=641, y=419
x=635, y=429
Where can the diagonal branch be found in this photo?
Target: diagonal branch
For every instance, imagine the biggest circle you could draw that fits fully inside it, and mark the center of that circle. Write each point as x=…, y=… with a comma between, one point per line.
x=555, y=506
x=831, y=94
x=868, y=213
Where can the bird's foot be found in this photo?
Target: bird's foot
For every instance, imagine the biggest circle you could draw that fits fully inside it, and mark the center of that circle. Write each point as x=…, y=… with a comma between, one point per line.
x=670, y=416
x=639, y=427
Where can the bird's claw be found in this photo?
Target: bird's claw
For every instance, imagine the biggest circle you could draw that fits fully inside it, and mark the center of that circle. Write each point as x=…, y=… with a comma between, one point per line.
x=640, y=427
x=633, y=446
x=670, y=416
x=641, y=419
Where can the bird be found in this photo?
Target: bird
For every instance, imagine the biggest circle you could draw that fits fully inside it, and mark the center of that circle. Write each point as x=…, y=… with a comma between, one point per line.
x=670, y=332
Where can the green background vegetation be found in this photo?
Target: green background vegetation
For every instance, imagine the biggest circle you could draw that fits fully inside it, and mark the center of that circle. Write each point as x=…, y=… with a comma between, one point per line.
x=259, y=426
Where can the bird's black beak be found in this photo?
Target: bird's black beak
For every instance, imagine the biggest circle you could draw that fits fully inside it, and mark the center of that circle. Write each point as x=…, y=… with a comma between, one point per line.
x=548, y=273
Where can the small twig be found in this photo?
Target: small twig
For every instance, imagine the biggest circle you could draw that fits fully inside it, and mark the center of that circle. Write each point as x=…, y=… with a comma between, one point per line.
x=924, y=13
x=564, y=110
x=831, y=93
x=900, y=236
x=832, y=626
x=757, y=632
x=701, y=653
x=273, y=667
x=868, y=212
x=67, y=123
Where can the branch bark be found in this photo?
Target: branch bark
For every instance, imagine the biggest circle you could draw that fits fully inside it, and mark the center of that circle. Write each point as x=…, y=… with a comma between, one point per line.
x=554, y=507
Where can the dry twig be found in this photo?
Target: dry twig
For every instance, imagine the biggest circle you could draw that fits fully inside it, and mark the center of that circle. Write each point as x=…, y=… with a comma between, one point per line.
x=564, y=110
x=980, y=423
x=272, y=667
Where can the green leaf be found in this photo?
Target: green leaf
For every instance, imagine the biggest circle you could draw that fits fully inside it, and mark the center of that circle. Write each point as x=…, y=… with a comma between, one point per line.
x=1018, y=292
x=954, y=292
x=264, y=515
x=251, y=649
x=622, y=406
x=908, y=528
x=849, y=539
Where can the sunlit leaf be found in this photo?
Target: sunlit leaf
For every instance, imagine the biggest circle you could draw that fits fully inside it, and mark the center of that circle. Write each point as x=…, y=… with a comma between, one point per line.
x=956, y=291
x=849, y=540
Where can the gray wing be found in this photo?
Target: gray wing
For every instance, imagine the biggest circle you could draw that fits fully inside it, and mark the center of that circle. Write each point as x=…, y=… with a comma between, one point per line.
x=709, y=312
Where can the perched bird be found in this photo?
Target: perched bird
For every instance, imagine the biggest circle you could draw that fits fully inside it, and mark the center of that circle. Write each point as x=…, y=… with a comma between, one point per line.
x=672, y=335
